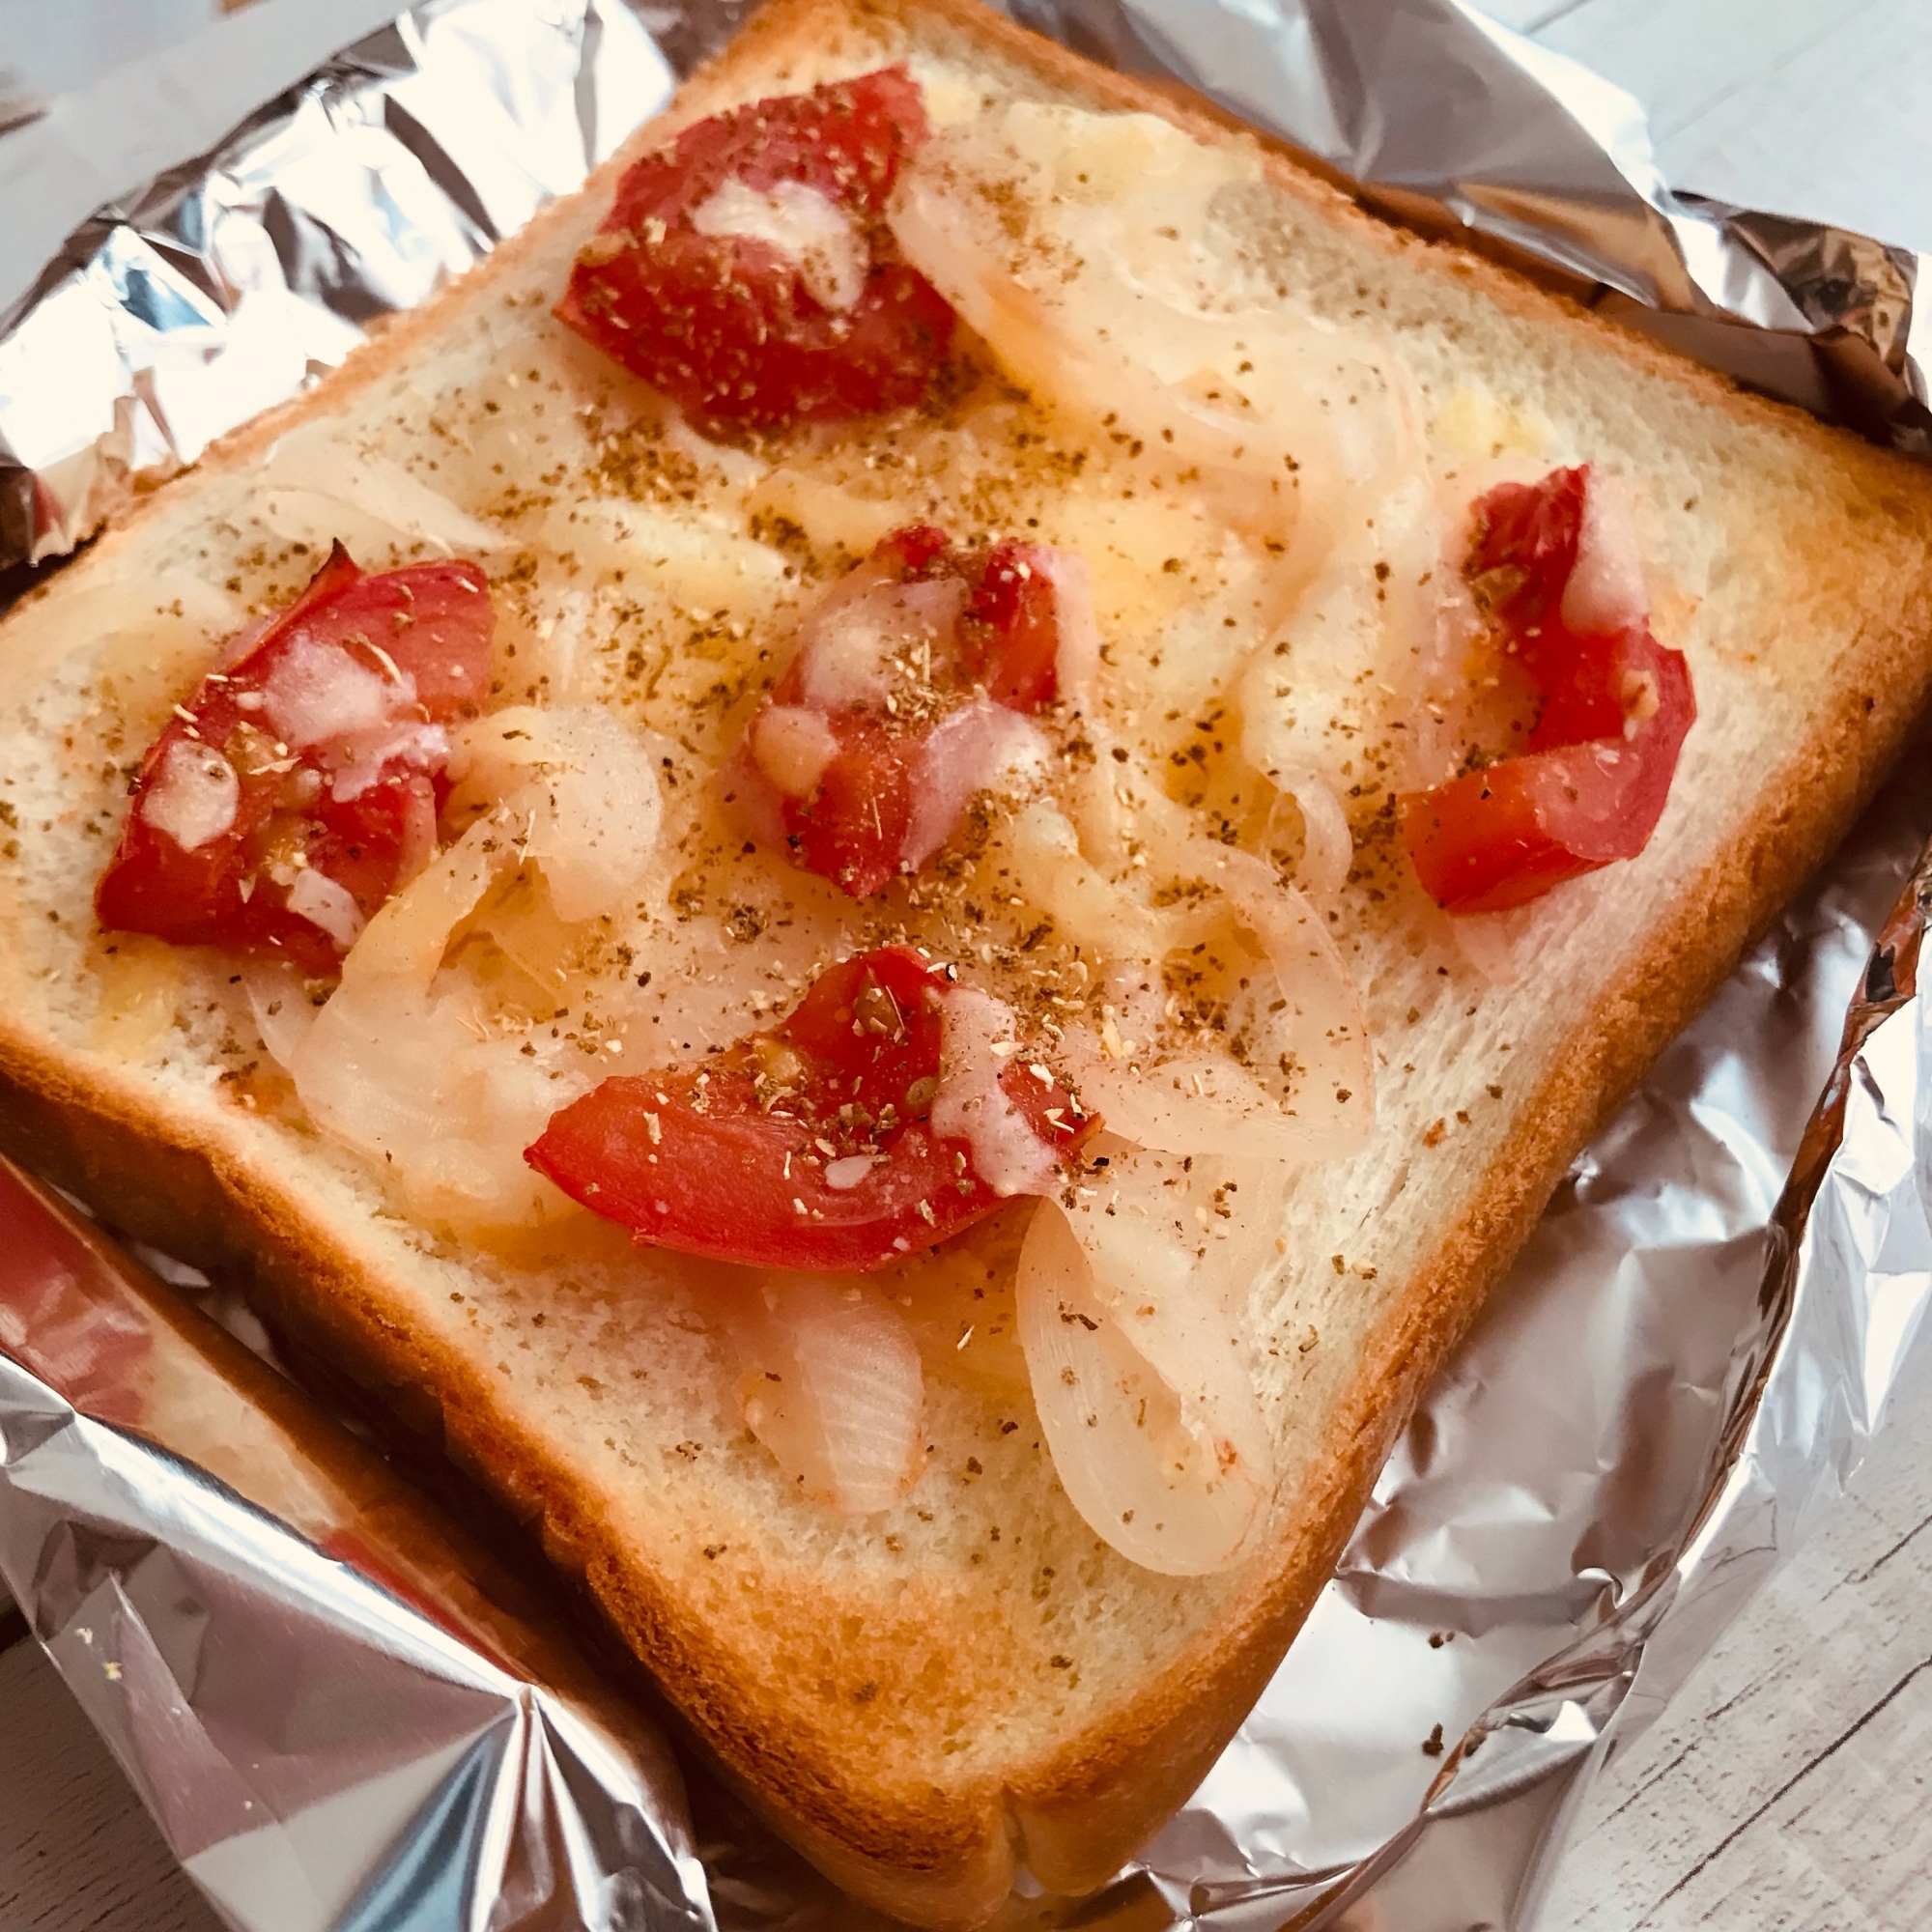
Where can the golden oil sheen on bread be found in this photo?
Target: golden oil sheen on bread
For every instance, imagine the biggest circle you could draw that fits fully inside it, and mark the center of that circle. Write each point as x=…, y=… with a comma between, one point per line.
x=973, y=1678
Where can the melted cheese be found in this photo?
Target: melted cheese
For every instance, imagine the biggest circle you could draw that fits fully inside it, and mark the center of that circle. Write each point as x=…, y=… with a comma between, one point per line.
x=819, y=238
x=193, y=797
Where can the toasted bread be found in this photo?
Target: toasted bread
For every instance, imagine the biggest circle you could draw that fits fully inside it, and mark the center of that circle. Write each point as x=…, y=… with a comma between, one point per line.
x=928, y=1700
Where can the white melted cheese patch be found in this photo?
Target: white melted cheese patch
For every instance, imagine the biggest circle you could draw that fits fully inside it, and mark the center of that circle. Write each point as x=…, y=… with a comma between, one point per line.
x=803, y=226
x=194, y=796
x=317, y=692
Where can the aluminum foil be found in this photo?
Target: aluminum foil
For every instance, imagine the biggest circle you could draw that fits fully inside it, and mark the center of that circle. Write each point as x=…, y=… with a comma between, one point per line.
x=238, y=277
x=1686, y=1362
x=1681, y=1371
x=335, y=1708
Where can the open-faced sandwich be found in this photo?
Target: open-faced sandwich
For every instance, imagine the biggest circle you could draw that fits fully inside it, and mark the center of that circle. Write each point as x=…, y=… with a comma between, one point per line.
x=894, y=865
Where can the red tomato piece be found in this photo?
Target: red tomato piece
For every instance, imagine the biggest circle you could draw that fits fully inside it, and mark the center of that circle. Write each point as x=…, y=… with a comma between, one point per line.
x=851, y=762
x=1014, y=628
x=1614, y=711
x=809, y=1147
x=854, y=826
x=288, y=796
x=913, y=550
x=1532, y=532
x=737, y=328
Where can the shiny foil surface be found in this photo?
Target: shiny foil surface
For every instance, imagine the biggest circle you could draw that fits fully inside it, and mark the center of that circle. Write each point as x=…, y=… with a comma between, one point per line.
x=1679, y=1374
x=340, y=1712
x=236, y=279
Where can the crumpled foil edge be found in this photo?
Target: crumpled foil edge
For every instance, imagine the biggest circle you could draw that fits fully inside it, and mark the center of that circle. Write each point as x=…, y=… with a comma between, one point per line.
x=1862, y=1185
x=241, y=276
x=1816, y=316
x=338, y=1710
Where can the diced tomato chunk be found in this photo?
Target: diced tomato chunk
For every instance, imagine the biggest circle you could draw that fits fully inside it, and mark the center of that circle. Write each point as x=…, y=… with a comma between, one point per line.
x=1613, y=710
x=913, y=550
x=887, y=663
x=856, y=823
x=734, y=326
x=289, y=794
x=1523, y=542
x=1015, y=623
x=809, y=1147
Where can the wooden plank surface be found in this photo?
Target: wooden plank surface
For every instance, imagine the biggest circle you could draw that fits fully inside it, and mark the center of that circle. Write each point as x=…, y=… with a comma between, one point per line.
x=1786, y=1789
x=77, y=1853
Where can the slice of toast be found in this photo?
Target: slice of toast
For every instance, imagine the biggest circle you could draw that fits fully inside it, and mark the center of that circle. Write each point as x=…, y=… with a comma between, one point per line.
x=925, y=1699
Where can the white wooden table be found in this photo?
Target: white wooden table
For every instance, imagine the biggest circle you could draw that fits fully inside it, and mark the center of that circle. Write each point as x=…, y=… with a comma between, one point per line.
x=1786, y=1790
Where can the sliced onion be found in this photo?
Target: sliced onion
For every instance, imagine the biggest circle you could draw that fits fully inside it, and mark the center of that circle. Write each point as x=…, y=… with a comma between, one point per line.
x=1200, y=1102
x=1323, y=1026
x=1076, y=657
x=406, y=940
x=604, y=812
x=328, y=904
x=1177, y=1101
x=559, y=652
x=524, y=926
x=834, y=516
x=1153, y=1425
x=278, y=998
x=1193, y=1102
x=1327, y=845
x=1103, y=302
x=980, y=747
x=437, y=1101
x=830, y=1382
x=585, y=788
x=697, y=561
x=406, y=1063
x=419, y=846
x=1120, y=801
x=417, y=1080
x=970, y=1105
x=1360, y=652
x=1087, y=909
x=1606, y=591
x=313, y=487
